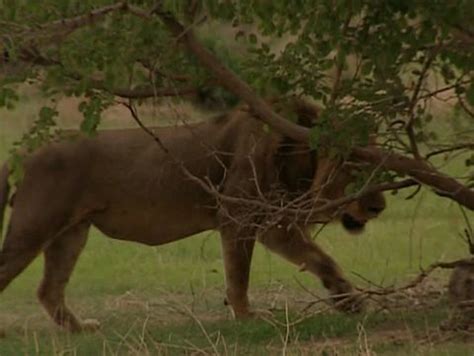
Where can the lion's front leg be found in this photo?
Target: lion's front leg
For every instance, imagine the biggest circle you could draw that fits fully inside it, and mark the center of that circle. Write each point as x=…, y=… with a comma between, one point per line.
x=296, y=246
x=237, y=254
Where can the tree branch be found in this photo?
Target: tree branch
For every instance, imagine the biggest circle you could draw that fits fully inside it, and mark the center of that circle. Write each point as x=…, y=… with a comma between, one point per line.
x=419, y=278
x=422, y=172
x=55, y=31
x=228, y=79
x=145, y=92
x=340, y=64
x=463, y=34
x=465, y=106
x=418, y=169
x=135, y=117
x=464, y=146
x=63, y=27
x=413, y=103
x=32, y=55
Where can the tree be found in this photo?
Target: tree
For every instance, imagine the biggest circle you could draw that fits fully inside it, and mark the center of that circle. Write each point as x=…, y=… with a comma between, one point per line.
x=391, y=62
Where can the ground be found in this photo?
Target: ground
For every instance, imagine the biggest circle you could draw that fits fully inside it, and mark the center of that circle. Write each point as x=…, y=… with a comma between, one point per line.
x=169, y=299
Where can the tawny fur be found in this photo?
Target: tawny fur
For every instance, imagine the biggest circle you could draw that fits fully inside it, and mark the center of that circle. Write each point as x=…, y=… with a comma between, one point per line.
x=124, y=184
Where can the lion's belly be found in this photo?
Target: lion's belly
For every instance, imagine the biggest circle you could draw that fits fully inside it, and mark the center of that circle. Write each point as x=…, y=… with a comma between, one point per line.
x=154, y=226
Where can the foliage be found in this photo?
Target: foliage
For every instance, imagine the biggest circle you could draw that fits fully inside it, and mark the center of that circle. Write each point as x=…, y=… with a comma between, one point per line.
x=369, y=63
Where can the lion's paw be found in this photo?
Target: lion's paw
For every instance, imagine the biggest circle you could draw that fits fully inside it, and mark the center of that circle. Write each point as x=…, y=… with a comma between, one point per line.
x=349, y=303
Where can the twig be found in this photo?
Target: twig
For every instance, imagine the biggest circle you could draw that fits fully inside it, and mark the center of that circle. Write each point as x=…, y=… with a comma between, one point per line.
x=465, y=106
x=414, y=100
x=463, y=146
x=229, y=79
x=55, y=30
x=418, y=279
x=421, y=171
x=444, y=89
x=265, y=205
x=73, y=23
x=418, y=169
x=468, y=232
x=144, y=92
x=134, y=114
x=340, y=64
x=414, y=193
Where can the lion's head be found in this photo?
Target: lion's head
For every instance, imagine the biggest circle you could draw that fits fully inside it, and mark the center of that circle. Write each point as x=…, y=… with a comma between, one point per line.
x=331, y=182
x=330, y=176
x=356, y=214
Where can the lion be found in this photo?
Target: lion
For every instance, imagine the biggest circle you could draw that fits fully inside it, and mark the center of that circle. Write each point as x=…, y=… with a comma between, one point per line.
x=131, y=188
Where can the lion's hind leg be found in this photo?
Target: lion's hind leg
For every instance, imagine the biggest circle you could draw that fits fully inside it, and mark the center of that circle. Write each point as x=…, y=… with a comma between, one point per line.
x=60, y=258
x=13, y=260
x=23, y=242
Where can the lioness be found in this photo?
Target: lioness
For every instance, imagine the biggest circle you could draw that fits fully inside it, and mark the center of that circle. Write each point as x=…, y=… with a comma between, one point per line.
x=130, y=188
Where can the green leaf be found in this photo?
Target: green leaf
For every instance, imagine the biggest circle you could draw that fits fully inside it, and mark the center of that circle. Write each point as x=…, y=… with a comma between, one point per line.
x=92, y=112
x=253, y=38
x=46, y=115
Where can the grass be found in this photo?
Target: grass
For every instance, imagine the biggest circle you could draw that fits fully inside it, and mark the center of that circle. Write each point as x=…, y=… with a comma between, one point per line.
x=168, y=299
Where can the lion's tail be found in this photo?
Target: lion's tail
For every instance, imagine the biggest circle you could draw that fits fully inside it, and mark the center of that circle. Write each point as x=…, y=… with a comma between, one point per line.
x=4, y=191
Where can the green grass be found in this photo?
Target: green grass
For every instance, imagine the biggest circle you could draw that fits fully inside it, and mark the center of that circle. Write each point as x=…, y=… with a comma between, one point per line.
x=168, y=299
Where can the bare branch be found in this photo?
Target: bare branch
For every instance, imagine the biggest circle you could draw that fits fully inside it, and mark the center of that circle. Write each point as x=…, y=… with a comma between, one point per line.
x=63, y=27
x=420, y=278
x=414, y=193
x=134, y=114
x=311, y=215
x=340, y=64
x=145, y=92
x=32, y=55
x=468, y=232
x=229, y=79
x=420, y=171
x=52, y=33
x=466, y=36
x=445, y=89
x=465, y=106
x=463, y=146
x=414, y=100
